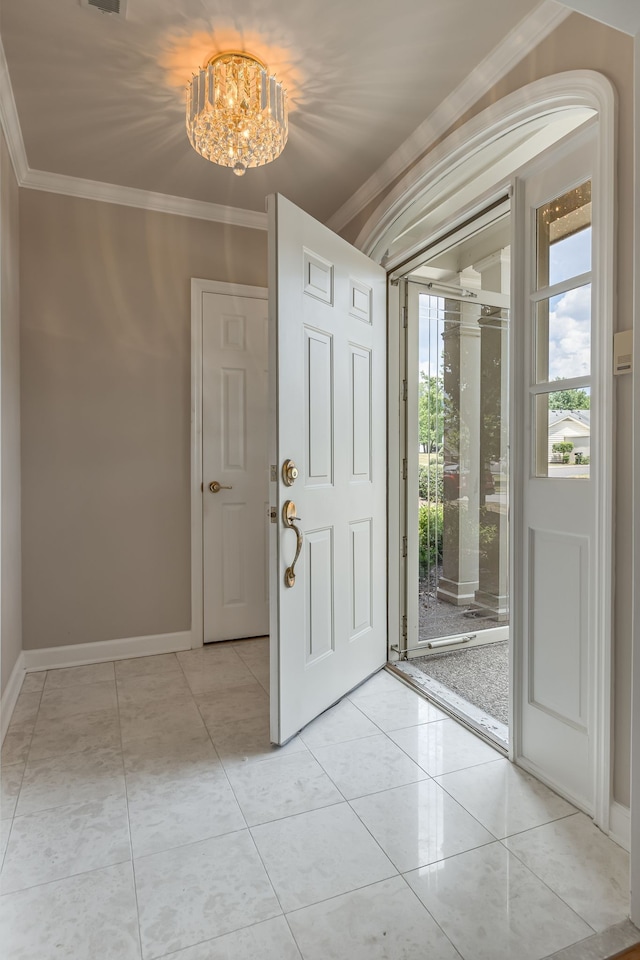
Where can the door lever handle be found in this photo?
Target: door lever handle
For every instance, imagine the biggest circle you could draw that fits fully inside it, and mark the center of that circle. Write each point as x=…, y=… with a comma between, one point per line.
x=288, y=517
x=216, y=487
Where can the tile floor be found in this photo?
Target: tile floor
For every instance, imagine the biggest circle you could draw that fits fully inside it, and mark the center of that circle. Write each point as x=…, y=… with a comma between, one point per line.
x=145, y=815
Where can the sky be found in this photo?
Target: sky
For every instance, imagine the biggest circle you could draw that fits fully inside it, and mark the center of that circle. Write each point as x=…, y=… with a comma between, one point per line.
x=570, y=313
x=570, y=334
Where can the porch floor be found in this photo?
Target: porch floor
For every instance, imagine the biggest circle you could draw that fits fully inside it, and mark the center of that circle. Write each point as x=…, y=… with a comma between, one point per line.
x=439, y=618
x=478, y=674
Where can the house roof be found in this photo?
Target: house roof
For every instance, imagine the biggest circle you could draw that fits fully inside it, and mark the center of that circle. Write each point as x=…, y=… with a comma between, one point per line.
x=582, y=417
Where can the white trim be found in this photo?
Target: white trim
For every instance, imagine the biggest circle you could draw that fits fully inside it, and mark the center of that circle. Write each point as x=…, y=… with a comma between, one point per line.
x=574, y=88
x=10, y=696
x=106, y=192
x=635, y=636
x=396, y=572
x=604, y=296
x=620, y=824
x=10, y=122
x=516, y=478
x=142, y=199
x=79, y=654
x=510, y=51
x=198, y=288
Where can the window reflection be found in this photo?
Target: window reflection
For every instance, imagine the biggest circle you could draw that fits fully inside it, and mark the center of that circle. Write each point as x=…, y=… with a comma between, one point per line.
x=564, y=236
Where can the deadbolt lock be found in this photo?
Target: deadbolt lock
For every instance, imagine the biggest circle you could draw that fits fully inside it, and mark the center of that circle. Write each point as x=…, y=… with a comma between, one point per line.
x=289, y=473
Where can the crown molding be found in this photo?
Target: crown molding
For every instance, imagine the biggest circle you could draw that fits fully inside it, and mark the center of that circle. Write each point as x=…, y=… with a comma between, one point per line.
x=510, y=51
x=106, y=192
x=10, y=122
x=143, y=199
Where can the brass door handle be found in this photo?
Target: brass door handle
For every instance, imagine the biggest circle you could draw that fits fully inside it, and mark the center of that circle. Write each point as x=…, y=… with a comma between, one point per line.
x=288, y=516
x=216, y=487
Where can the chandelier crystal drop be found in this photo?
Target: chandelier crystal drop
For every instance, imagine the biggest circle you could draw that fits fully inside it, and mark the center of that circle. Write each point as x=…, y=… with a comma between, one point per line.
x=236, y=113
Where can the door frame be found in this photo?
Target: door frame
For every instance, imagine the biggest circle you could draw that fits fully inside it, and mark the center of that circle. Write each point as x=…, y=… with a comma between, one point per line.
x=383, y=232
x=198, y=288
x=635, y=679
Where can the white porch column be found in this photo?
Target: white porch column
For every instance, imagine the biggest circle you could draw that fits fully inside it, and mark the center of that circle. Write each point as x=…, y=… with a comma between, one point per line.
x=493, y=569
x=461, y=382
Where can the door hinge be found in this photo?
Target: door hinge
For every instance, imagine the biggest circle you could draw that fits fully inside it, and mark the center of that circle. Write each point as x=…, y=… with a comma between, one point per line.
x=404, y=546
x=404, y=469
x=404, y=627
x=404, y=389
x=404, y=317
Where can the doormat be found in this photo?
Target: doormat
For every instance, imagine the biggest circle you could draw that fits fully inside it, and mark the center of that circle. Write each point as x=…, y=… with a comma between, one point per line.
x=478, y=674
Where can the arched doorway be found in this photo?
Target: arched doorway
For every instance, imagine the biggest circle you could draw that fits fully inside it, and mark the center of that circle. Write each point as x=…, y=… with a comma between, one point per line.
x=487, y=161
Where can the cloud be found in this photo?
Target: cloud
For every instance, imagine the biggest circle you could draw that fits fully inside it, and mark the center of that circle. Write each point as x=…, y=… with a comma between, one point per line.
x=570, y=334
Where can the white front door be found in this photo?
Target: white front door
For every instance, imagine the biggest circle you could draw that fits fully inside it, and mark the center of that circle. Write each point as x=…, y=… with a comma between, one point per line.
x=559, y=574
x=328, y=411
x=234, y=466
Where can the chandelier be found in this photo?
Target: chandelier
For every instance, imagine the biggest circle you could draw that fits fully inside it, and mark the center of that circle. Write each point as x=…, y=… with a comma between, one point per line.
x=236, y=112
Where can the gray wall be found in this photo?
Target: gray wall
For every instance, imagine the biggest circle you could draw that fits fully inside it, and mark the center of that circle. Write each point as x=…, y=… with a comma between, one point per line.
x=106, y=412
x=580, y=43
x=10, y=563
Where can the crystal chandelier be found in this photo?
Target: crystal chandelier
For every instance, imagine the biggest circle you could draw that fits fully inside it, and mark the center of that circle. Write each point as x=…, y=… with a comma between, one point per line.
x=236, y=112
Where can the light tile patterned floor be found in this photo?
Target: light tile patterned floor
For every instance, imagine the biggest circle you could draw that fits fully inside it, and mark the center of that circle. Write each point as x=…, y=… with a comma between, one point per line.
x=145, y=814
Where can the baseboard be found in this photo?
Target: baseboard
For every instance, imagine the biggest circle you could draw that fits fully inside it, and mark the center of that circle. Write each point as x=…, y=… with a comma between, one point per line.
x=620, y=824
x=79, y=654
x=11, y=693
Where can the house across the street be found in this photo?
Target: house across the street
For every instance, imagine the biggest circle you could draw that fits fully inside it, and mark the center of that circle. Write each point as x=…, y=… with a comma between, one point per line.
x=570, y=426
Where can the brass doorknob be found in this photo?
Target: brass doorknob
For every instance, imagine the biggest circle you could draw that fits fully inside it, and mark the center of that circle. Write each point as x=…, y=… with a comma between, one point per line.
x=216, y=487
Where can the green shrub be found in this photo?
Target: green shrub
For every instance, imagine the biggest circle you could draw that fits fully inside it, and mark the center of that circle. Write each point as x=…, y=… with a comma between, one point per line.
x=564, y=449
x=430, y=517
x=430, y=483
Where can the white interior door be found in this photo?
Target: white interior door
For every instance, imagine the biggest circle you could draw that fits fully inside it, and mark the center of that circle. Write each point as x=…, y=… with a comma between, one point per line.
x=234, y=460
x=328, y=409
x=559, y=577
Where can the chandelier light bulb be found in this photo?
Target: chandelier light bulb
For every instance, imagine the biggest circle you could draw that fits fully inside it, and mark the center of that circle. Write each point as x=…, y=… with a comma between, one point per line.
x=236, y=113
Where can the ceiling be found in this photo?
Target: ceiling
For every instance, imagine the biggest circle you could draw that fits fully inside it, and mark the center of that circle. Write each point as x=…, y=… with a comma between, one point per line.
x=622, y=14
x=102, y=98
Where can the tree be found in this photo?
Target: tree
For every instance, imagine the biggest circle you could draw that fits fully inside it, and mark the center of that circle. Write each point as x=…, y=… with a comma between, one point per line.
x=569, y=400
x=430, y=413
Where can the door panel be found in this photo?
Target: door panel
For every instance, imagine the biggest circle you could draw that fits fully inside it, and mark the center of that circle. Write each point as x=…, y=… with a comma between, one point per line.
x=234, y=453
x=559, y=565
x=328, y=409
